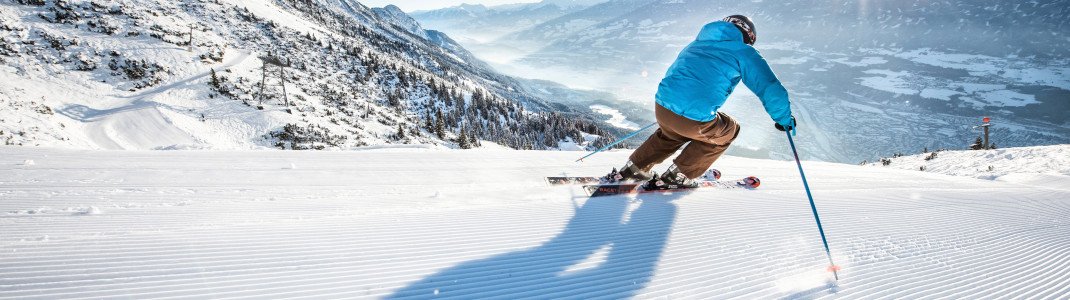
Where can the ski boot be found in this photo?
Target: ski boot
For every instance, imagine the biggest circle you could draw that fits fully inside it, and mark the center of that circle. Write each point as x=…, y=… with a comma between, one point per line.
x=671, y=179
x=628, y=173
x=613, y=177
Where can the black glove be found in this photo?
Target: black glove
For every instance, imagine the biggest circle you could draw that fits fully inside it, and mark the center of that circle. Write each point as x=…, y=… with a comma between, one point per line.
x=786, y=128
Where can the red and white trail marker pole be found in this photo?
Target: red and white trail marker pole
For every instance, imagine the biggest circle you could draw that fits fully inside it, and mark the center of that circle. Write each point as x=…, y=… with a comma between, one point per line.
x=985, y=125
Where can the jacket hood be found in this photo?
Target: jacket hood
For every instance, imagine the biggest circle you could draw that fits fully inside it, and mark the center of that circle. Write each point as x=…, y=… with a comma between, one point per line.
x=720, y=31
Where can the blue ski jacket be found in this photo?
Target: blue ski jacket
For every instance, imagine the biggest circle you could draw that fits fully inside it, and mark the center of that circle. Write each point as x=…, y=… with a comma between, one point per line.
x=707, y=71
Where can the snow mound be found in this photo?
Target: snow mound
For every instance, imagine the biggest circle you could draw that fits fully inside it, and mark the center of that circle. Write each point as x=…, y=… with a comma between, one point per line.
x=184, y=147
x=1028, y=165
x=91, y=210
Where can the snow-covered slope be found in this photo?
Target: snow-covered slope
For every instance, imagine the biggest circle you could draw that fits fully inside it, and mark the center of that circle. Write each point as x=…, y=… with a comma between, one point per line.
x=148, y=74
x=423, y=224
x=1043, y=166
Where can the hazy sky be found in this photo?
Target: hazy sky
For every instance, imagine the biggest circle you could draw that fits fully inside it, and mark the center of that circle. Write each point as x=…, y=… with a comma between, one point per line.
x=413, y=5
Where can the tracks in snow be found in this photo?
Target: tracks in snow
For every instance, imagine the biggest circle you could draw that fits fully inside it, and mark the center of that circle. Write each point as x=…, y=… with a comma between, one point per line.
x=109, y=128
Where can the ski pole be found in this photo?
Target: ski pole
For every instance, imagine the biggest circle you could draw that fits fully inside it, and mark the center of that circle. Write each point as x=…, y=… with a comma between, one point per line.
x=832, y=266
x=621, y=140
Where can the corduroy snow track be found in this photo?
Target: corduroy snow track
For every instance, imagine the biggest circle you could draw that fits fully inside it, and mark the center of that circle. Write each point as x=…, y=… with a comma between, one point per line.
x=421, y=224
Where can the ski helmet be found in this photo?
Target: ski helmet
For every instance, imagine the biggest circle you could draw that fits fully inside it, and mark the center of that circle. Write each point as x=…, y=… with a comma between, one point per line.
x=746, y=26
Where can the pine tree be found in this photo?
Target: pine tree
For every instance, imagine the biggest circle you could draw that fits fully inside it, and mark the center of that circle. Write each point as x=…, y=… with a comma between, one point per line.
x=215, y=84
x=459, y=100
x=977, y=144
x=394, y=99
x=473, y=140
x=462, y=141
x=427, y=121
x=401, y=132
x=440, y=125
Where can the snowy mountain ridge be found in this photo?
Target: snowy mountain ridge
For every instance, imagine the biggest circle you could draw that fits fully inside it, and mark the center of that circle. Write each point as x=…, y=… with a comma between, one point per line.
x=400, y=18
x=125, y=75
x=482, y=23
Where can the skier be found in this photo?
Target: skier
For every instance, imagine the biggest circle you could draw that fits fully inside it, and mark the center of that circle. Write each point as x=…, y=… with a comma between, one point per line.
x=686, y=105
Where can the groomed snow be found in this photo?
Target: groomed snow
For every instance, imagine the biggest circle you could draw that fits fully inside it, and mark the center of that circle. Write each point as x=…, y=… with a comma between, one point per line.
x=426, y=223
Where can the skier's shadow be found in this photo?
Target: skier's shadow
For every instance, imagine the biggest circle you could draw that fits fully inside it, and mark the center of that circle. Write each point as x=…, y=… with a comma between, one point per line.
x=610, y=248
x=829, y=288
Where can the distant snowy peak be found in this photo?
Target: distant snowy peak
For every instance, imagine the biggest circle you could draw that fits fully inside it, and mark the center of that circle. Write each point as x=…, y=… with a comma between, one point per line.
x=578, y=20
x=481, y=23
x=569, y=4
x=479, y=10
x=393, y=15
x=460, y=11
x=473, y=8
x=468, y=8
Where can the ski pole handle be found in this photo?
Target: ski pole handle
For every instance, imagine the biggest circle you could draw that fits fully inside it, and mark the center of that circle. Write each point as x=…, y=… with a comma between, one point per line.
x=621, y=140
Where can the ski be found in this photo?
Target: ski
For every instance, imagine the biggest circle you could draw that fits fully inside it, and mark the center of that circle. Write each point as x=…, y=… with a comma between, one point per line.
x=710, y=175
x=601, y=190
x=566, y=180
